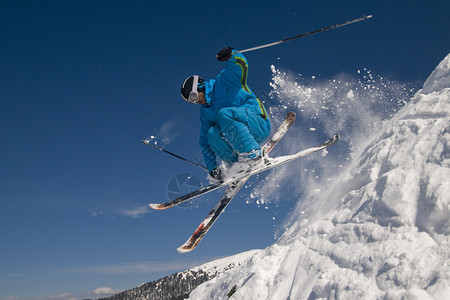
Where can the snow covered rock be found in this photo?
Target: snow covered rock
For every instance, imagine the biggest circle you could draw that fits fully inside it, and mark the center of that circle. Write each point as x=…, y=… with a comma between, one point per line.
x=388, y=238
x=439, y=79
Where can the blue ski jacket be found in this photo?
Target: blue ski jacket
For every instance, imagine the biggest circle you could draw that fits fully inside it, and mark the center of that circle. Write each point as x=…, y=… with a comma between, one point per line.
x=228, y=89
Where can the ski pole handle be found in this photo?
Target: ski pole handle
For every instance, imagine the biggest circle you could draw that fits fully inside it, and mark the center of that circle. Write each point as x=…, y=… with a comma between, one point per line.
x=364, y=18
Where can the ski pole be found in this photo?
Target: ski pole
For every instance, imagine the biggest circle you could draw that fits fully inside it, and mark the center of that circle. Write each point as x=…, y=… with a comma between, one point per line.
x=364, y=18
x=147, y=142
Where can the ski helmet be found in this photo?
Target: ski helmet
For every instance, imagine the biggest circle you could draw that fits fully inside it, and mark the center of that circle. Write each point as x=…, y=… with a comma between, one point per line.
x=190, y=88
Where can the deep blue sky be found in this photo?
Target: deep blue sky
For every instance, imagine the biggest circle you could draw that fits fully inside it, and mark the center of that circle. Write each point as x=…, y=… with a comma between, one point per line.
x=82, y=82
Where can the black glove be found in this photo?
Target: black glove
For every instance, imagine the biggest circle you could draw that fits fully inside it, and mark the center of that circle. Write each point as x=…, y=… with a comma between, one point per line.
x=224, y=54
x=216, y=174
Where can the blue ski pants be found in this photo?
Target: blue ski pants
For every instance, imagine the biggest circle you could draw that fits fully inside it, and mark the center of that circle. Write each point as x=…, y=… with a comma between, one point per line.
x=239, y=130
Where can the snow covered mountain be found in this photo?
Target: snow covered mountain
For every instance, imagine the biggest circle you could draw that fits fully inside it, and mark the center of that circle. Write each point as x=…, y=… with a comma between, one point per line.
x=382, y=230
x=179, y=285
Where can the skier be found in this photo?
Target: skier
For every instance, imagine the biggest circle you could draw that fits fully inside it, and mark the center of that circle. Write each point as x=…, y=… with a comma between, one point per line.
x=233, y=120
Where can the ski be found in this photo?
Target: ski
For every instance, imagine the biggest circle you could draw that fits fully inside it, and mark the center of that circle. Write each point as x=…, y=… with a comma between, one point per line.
x=282, y=129
x=231, y=191
x=270, y=163
x=213, y=215
x=266, y=164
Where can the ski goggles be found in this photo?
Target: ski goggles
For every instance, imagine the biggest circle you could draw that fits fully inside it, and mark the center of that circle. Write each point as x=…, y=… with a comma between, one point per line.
x=193, y=95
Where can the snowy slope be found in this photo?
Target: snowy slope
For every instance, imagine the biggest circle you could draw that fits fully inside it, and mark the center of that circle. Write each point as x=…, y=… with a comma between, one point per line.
x=383, y=232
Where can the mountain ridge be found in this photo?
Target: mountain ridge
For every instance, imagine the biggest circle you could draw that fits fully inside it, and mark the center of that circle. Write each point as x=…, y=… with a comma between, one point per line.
x=178, y=286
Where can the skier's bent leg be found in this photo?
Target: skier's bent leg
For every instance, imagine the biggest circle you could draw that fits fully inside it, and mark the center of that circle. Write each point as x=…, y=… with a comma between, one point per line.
x=242, y=128
x=220, y=146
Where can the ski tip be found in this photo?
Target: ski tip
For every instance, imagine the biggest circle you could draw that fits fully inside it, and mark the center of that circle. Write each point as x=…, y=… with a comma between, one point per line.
x=186, y=247
x=156, y=206
x=291, y=116
x=192, y=242
x=183, y=250
x=331, y=141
